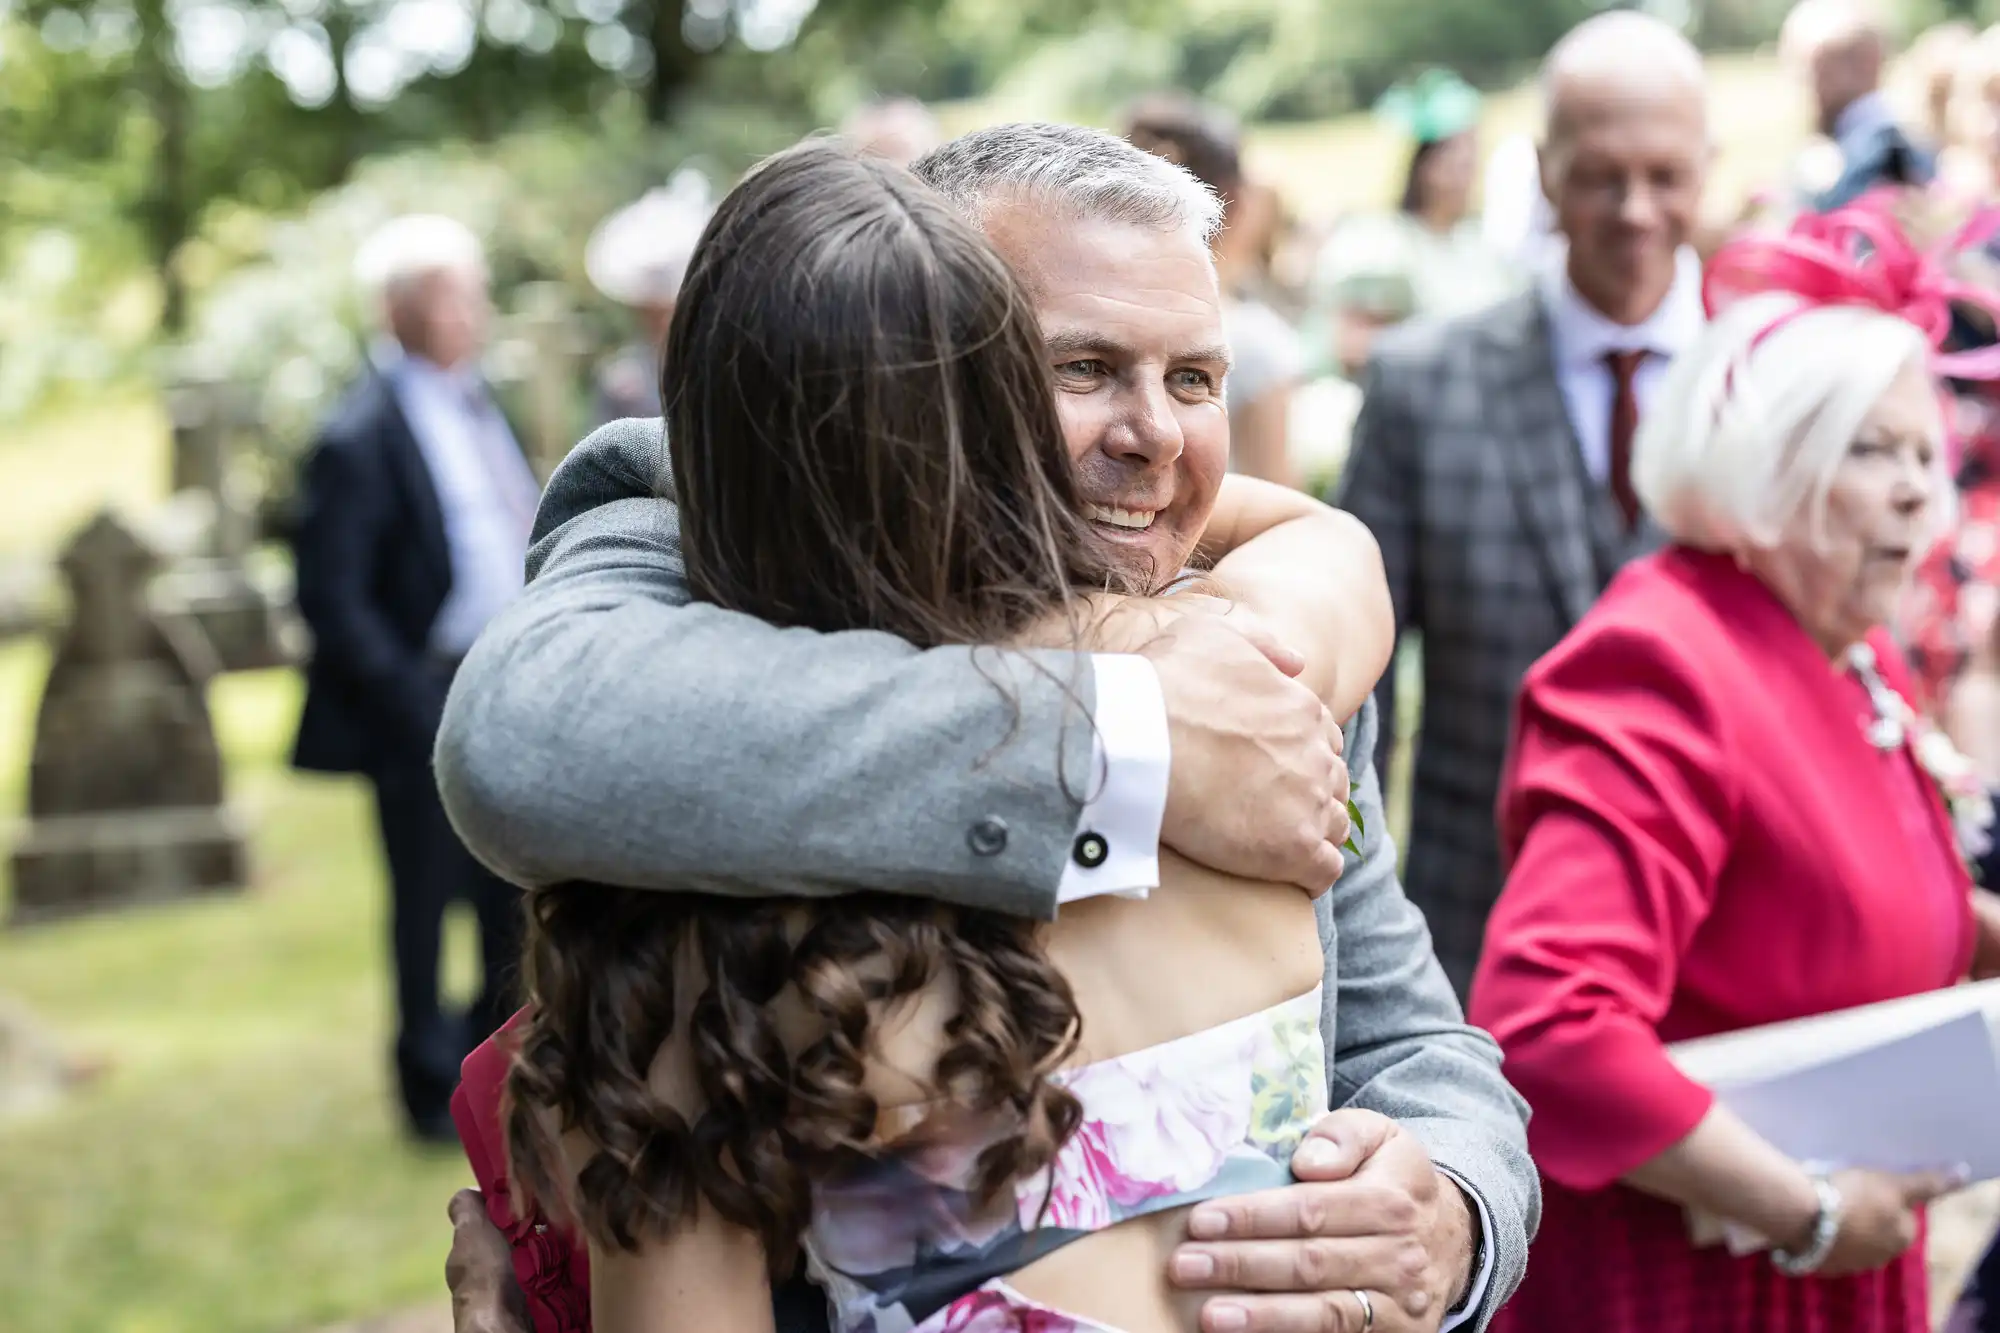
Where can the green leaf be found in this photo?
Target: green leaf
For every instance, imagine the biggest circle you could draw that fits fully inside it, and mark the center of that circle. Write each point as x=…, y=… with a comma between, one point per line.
x=1353, y=843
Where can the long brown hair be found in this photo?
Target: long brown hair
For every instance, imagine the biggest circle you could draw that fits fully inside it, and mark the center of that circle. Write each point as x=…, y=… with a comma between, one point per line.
x=863, y=437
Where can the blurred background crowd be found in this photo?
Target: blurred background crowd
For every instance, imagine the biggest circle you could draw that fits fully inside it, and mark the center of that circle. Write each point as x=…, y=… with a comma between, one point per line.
x=198, y=1128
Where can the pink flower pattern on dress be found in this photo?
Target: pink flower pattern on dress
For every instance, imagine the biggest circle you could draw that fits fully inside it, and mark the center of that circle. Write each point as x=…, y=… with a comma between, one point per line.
x=990, y=1310
x=1211, y=1113
x=1156, y=1123
x=1077, y=1188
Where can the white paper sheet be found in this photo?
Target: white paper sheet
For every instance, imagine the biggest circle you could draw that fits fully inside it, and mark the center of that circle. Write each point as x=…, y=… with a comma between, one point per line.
x=1925, y=1100
x=1779, y=1048
x=1909, y=1083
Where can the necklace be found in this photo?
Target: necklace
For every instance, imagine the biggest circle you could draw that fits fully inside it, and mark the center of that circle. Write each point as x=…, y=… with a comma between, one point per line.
x=1890, y=727
x=1957, y=778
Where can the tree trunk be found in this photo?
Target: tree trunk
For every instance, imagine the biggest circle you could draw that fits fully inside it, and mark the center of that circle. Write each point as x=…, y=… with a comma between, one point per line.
x=339, y=21
x=166, y=208
x=674, y=61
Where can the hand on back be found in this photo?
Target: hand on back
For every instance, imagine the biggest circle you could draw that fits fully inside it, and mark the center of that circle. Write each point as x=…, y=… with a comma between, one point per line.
x=1258, y=786
x=1370, y=1213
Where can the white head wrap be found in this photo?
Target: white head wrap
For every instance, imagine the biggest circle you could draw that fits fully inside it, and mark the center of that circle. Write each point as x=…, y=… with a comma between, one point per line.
x=639, y=254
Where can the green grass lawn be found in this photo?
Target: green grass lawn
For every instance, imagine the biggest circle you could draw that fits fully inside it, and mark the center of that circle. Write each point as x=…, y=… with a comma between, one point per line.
x=56, y=472
x=238, y=1168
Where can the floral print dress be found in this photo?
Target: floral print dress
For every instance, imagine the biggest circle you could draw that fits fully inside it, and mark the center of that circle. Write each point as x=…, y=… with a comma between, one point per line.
x=901, y=1245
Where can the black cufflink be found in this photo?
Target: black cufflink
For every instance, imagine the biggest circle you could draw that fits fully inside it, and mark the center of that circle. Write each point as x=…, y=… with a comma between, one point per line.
x=1091, y=851
x=988, y=837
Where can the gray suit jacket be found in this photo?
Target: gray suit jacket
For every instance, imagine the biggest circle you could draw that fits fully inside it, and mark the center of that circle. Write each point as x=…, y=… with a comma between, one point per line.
x=608, y=728
x=1496, y=540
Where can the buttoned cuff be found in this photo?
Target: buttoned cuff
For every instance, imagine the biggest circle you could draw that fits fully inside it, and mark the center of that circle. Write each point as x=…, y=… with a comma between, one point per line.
x=1117, y=844
x=1482, y=1277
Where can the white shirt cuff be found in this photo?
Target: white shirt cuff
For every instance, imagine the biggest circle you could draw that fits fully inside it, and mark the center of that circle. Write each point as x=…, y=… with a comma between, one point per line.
x=1481, y=1280
x=1117, y=846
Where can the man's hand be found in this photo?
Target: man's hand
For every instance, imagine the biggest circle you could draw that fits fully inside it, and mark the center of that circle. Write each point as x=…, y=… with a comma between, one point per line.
x=1371, y=1213
x=1258, y=787
x=485, y=1297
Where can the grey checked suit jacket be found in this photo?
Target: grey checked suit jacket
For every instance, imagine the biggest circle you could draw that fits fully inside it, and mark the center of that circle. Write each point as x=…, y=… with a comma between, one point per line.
x=608, y=728
x=1466, y=468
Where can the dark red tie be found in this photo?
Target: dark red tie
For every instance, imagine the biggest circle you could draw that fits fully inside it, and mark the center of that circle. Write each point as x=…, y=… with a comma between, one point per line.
x=1624, y=367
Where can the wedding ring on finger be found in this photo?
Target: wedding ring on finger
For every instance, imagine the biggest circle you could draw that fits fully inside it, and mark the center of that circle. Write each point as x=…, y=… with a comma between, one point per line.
x=1367, y=1311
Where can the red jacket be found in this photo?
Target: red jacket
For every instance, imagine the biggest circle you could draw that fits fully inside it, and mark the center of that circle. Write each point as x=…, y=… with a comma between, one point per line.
x=1701, y=838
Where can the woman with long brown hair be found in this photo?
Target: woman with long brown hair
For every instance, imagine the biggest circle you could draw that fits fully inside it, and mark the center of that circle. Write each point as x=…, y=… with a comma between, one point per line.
x=933, y=1103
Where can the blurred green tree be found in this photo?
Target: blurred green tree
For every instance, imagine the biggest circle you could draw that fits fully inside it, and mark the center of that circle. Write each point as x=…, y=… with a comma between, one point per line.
x=179, y=103
x=143, y=133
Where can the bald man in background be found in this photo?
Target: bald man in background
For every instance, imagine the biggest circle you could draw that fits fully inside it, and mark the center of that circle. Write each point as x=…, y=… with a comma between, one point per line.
x=1492, y=455
x=1840, y=49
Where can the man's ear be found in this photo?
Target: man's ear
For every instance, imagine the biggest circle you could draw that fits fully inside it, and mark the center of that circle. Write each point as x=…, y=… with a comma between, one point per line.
x=1549, y=165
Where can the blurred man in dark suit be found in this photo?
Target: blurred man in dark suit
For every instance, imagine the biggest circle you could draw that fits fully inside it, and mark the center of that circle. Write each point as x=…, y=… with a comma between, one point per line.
x=1840, y=48
x=415, y=510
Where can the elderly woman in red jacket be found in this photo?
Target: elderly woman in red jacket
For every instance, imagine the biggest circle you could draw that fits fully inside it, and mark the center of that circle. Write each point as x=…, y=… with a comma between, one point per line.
x=1721, y=812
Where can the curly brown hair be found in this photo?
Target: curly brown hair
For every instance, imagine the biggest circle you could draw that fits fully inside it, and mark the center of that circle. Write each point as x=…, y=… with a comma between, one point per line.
x=865, y=437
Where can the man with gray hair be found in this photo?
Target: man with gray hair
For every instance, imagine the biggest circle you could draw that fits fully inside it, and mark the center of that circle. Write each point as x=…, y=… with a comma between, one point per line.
x=415, y=509
x=605, y=700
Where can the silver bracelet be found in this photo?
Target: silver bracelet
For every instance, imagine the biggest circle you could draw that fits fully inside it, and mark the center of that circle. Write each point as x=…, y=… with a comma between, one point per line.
x=1826, y=1230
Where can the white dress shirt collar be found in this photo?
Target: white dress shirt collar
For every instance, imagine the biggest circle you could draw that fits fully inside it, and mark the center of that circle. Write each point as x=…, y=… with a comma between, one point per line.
x=485, y=490
x=1581, y=335
x=401, y=366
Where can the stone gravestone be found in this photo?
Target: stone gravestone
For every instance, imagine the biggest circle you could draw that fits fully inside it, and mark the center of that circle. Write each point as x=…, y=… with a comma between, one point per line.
x=210, y=525
x=125, y=786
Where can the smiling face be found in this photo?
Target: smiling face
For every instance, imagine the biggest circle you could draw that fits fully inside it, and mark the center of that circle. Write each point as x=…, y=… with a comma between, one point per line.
x=1623, y=169
x=1132, y=323
x=1841, y=575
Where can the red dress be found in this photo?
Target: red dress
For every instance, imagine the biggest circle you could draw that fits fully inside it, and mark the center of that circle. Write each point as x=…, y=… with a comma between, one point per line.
x=1702, y=839
x=552, y=1266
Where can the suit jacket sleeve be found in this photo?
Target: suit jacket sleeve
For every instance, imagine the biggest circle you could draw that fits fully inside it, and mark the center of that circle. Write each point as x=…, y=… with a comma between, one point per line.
x=1378, y=485
x=606, y=727
x=1886, y=157
x=1621, y=799
x=342, y=529
x=1399, y=1043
